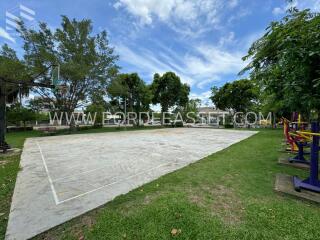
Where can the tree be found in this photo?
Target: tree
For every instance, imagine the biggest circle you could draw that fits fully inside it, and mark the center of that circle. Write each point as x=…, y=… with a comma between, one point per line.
x=184, y=95
x=168, y=91
x=285, y=62
x=96, y=108
x=189, y=110
x=131, y=91
x=40, y=104
x=15, y=79
x=238, y=96
x=18, y=114
x=96, y=111
x=13, y=69
x=87, y=63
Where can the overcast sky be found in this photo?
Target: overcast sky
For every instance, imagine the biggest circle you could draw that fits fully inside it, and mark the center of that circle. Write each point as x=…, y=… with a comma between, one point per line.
x=203, y=41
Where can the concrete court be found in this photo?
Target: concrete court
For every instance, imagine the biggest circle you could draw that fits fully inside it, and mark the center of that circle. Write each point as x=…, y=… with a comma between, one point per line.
x=65, y=176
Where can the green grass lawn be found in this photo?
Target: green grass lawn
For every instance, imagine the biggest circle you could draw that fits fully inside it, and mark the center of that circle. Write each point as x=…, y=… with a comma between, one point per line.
x=228, y=195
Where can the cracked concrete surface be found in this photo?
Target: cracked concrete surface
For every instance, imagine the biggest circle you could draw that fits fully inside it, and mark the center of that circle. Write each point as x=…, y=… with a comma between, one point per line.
x=63, y=177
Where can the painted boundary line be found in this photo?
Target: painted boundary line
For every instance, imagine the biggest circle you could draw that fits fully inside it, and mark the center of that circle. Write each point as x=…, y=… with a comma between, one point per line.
x=110, y=184
x=56, y=199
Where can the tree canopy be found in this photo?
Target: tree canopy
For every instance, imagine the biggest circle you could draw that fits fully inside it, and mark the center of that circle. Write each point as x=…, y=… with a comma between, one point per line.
x=238, y=96
x=168, y=91
x=285, y=62
x=189, y=110
x=18, y=114
x=87, y=62
x=13, y=70
x=131, y=90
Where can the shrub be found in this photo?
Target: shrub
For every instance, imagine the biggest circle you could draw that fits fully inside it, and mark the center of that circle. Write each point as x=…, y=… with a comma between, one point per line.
x=177, y=124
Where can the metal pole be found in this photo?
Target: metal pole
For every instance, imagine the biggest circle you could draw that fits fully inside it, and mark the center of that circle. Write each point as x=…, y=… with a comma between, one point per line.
x=125, y=112
x=314, y=154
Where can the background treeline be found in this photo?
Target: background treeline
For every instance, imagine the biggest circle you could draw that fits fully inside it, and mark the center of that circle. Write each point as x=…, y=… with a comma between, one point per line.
x=283, y=74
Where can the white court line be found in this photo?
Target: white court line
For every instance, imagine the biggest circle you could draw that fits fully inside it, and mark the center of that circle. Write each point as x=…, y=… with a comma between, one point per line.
x=84, y=172
x=49, y=178
x=91, y=191
x=103, y=166
x=109, y=184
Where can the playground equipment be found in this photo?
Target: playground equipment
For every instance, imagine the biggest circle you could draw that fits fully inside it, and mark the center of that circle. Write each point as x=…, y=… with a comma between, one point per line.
x=297, y=123
x=298, y=142
x=312, y=182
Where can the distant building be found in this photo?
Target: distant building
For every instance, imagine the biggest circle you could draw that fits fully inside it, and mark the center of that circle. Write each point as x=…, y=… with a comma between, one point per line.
x=210, y=115
x=111, y=119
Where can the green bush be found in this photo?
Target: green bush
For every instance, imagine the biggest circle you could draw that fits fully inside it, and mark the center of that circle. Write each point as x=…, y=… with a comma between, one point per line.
x=18, y=114
x=97, y=109
x=177, y=124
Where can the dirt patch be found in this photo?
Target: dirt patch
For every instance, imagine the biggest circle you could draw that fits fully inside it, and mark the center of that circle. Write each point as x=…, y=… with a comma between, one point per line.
x=129, y=207
x=148, y=199
x=221, y=201
x=3, y=162
x=6, y=159
x=74, y=229
x=88, y=221
x=198, y=199
x=227, y=205
x=10, y=153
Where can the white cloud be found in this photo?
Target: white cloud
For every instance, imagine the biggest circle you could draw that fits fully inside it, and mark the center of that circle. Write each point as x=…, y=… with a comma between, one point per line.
x=214, y=61
x=314, y=5
x=278, y=11
x=227, y=39
x=203, y=65
x=145, y=10
x=282, y=10
x=207, y=63
x=204, y=97
x=205, y=83
x=233, y=3
x=6, y=35
x=147, y=63
x=188, y=17
x=241, y=13
x=135, y=59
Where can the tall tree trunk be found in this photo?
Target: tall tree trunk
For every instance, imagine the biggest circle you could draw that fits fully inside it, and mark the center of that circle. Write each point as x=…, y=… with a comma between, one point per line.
x=163, y=110
x=273, y=119
x=72, y=123
x=138, y=112
x=3, y=145
x=2, y=115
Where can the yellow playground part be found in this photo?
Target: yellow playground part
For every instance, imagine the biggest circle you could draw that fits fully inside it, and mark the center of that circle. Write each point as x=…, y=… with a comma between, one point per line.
x=308, y=133
x=293, y=136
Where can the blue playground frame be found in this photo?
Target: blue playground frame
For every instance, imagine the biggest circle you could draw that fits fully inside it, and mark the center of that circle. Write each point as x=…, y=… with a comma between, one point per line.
x=312, y=183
